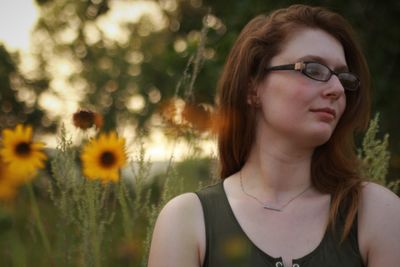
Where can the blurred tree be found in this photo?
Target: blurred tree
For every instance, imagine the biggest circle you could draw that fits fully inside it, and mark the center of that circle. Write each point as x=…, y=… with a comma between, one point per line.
x=19, y=95
x=127, y=77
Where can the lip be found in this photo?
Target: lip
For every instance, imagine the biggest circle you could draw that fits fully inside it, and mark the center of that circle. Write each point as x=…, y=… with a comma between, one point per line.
x=325, y=111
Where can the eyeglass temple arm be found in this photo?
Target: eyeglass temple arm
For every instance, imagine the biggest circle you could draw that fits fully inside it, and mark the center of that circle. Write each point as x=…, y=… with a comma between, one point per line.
x=297, y=66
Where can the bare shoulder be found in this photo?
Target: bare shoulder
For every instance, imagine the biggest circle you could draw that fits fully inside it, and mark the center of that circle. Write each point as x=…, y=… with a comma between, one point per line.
x=182, y=205
x=379, y=225
x=377, y=198
x=178, y=228
x=379, y=207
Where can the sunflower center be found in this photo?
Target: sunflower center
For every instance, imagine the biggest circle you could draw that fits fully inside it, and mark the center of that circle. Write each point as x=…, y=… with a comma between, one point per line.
x=107, y=159
x=23, y=149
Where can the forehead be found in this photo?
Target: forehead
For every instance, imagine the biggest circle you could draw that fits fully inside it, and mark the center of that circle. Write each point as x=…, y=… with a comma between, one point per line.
x=313, y=43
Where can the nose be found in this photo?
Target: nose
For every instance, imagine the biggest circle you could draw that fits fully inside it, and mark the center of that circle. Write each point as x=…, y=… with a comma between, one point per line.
x=334, y=88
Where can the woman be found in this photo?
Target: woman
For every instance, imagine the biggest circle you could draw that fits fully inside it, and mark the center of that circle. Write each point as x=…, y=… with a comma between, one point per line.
x=294, y=90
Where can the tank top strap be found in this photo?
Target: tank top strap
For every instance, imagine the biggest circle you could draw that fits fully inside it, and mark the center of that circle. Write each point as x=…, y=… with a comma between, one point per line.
x=332, y=251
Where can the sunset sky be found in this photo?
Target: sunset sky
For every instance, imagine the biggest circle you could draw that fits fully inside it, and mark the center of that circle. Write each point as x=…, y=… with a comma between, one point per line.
x=17, y=17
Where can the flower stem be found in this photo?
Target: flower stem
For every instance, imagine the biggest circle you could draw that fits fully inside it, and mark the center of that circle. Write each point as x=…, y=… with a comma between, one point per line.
x=92, y=197
x=125, y=210
x=39, y=222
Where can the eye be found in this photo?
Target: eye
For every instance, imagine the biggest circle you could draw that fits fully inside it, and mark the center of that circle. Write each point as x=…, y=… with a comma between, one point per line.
x=317, y=71
x=349, y=81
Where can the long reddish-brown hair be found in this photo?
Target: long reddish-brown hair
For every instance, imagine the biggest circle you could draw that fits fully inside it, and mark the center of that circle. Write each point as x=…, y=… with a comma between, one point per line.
x=335, y=168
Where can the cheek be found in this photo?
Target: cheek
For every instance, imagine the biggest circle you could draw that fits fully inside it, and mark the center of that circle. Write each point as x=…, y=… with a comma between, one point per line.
x=283, y=107
x=285, y=97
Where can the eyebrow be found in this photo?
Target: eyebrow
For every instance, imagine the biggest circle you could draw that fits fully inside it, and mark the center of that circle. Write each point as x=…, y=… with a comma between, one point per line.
x=341, y=68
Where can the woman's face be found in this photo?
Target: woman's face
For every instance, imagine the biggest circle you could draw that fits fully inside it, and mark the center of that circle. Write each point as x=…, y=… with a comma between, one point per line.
x=295, y=107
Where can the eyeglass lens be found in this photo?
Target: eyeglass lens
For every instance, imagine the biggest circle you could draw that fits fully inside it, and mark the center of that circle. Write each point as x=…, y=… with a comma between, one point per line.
x=321, y=72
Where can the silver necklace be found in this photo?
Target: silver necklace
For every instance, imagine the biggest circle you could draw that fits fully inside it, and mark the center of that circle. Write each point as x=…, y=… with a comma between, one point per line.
x=266, y=205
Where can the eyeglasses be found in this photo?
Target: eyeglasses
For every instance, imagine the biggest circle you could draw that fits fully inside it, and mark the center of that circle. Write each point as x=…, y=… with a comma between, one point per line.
x=322, y=73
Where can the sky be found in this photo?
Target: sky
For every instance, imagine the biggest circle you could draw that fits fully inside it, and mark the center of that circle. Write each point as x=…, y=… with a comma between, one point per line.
x=17, y=19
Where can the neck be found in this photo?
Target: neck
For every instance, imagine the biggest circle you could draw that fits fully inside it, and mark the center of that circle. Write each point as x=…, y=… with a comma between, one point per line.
x=276, y=172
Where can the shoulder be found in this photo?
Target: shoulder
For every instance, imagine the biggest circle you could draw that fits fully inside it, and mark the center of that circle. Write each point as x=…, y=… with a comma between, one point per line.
x=181, y=205
x=179, y=221
x=182, y=213
x=379, y=225
x=376, y=198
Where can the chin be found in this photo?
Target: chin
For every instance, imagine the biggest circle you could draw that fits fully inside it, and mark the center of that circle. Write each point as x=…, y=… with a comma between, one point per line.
x=320, y=138
x=317, y=136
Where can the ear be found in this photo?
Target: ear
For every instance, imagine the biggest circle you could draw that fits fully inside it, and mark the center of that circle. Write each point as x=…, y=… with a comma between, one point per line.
x=252, y=96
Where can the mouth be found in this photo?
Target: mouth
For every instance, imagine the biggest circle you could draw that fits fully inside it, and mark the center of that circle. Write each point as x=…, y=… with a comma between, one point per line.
x=325, y=111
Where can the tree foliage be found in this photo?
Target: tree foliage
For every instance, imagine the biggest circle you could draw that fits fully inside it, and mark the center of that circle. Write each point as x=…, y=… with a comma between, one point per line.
x=18, y=94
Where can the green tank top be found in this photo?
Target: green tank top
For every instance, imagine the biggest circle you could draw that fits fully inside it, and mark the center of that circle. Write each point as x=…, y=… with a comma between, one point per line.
x=227, y=245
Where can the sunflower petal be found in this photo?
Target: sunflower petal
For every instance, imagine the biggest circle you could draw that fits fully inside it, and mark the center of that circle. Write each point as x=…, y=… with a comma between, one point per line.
x=94, y=166
x=22, y=166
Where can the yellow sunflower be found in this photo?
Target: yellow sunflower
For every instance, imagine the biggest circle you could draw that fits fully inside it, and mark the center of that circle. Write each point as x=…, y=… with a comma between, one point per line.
x=102, y=158
x=20, y=153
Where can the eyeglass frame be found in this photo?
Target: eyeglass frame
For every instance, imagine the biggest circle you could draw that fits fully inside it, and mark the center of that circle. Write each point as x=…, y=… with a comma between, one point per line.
x=301, y=66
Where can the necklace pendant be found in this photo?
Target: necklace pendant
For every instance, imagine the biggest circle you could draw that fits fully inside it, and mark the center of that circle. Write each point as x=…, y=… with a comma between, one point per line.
x=271, y=208
x=265, y=206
